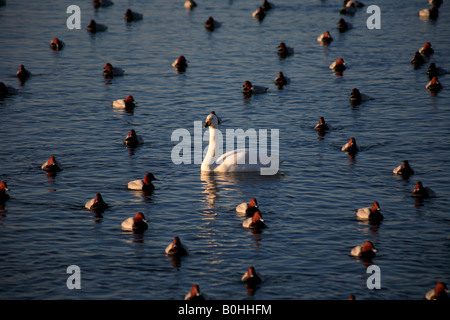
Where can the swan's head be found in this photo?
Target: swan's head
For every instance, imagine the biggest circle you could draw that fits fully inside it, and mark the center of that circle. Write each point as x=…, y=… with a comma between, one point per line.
x=212, y=121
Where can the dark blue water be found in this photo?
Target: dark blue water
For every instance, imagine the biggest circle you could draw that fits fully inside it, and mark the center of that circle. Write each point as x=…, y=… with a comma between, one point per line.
x=65, y=110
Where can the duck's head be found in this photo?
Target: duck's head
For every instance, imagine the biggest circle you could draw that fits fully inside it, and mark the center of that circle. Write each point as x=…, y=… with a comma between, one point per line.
x=3, y=185
x=419, y=187
x=92, y=24
x=108, y=67
x=129, y=99
x=195, y=291
x=339, y=62
x=139, y=218
x=251, y=272
x=352, y=142
x=282, y=46
x=355, y=94
x=257, y=217
x=368, y=246
x=149, y=177
x=375, y=206
x=247, y=86
x=212, y=121
x=253, y=203
x=405, y=165
x=327, y=34
x=440, y=289
x=321, y=121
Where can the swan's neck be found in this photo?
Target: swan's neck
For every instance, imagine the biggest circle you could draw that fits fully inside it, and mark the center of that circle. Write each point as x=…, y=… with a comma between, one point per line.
x=208, y=161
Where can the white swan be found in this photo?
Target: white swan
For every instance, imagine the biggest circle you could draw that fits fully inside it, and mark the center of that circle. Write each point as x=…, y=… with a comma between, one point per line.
x=239, y=160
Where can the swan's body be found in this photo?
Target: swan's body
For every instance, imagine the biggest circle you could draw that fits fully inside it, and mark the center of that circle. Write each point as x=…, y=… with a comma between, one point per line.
x=239, y=160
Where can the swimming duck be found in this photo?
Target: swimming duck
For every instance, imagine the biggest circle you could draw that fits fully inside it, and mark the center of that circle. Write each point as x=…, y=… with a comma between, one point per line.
x=338, y=65
x=404, y=169
x=96, y=204
x=431, y=13
x=321, y=126
x=438, y=293
x=145, y=184
x=249, y=88
x=190, y=4
x=373, y=214
x=138, y=223
x=434, y=71
x=343, y=25
x=6, y=90
x=96, y=27
x=194, y=294
x=3, y=195
x=284, y=51
x=267, y=5
x=254, y=222
x=434, y=84
x=436, y=3
x=127, y=103
x=358, y=4
x=51, y=165
x=132, y=139
x=417, y=60
x=57, y=44
x=281, y=80
x=176, y=248
x=132, y=16
x=180, y=64
x=366, y=251
x=23, y=73
x=422, y=192
x=427, y=49
x=251, y=277
x=211, y=24
x=351, y=146
x=259, y=14
x=248, y=208
x=356, y=97
x=349, y=8
x=102, y=3
x=325, y=37
x=109, y=71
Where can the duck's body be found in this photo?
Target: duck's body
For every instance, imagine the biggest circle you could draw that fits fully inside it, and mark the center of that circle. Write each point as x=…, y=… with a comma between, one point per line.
x=109, y=71
x=259, y=14
x=325, y=37
x=239, y=160
x=372, y=214
x=51, y=165
x=366, y=251
x=427, y=49
x=434, y=84
x=254, y=222
x=23, y=74
x=339, y=65
x=348, y=9
x=144, y=185
x=212, y=24
x=251, y=278
x=356, y=97
x=180, y=64
x=343, y=25
x=322, y=125
x=96, y=204
x=94, y=27
x=102, y=3
x=132, y=139
x=136, y=223
x=431, y=13
x=190, y=4
x=3, y=195
x=176, y=248
x=404, y=169
x=128, y=103
x=434, y=71
x=284, y=50
x=248, y=208
x=57, y=44
x=131, y=16
x=351, y=146
x=422, y=192
x=439, y=292
x=248, y=87
x=417, y=60
x=281, y=79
